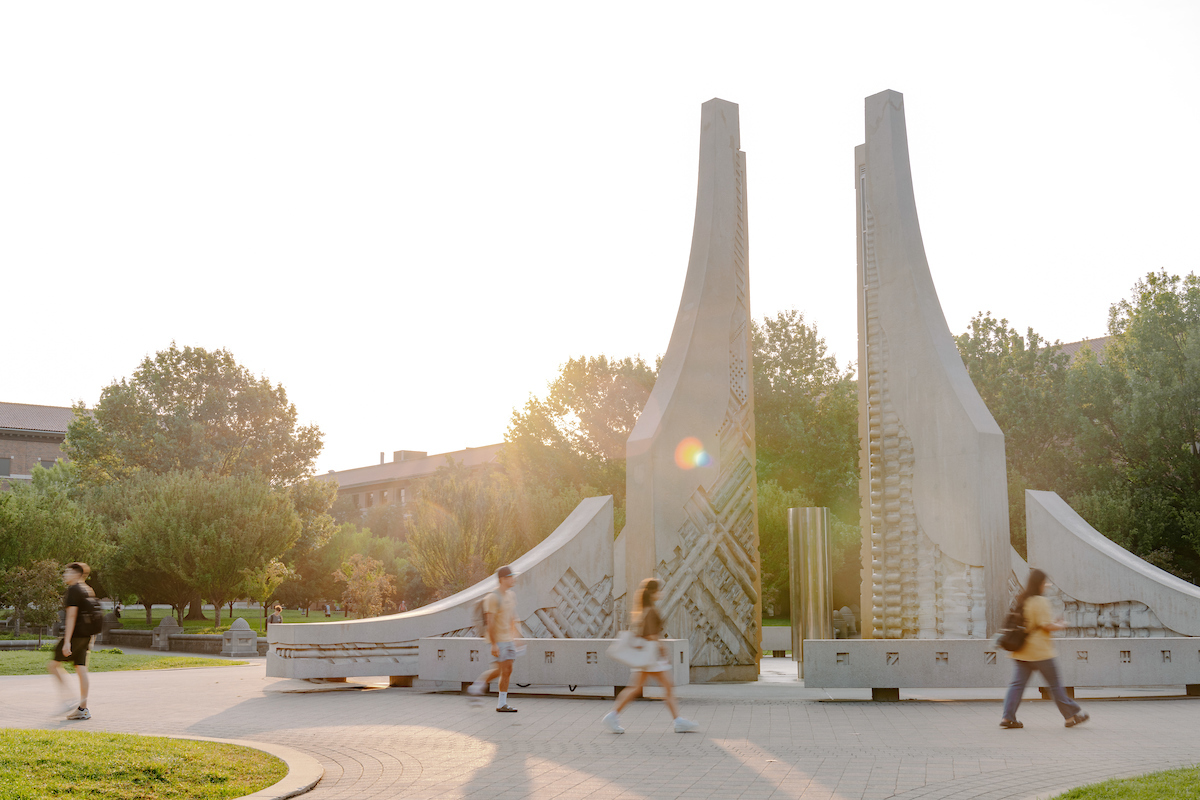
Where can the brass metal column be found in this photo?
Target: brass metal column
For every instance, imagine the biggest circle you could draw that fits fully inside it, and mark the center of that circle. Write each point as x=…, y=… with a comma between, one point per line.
x=810, y=580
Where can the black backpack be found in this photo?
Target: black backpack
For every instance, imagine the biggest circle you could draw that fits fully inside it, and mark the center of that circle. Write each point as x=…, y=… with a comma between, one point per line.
x=90, y=619
x=1013, y=634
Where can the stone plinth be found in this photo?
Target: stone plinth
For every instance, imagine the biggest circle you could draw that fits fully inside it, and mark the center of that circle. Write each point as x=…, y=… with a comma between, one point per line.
x=160, y=638
x=965, y=663
x=239, y=640
x=547, y=662
x=692, y=509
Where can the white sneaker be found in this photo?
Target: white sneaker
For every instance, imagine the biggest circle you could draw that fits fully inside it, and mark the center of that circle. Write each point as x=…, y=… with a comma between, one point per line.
x=80, y=713
x=475, y=690
x=62, y=707
x=685, y=725
x=612, y=722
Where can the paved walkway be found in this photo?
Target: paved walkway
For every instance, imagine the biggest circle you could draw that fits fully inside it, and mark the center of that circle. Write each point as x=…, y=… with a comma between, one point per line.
x=766, y=740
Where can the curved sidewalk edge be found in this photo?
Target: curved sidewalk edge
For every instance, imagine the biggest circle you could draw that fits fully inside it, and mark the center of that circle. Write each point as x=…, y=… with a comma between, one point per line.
x=304, y=771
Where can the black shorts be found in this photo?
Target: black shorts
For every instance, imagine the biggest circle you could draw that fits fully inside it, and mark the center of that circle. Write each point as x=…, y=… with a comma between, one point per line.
x=79, y=650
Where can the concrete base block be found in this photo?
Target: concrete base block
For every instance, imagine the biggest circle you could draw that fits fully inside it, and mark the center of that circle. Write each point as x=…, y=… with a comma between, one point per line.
x=736, y=672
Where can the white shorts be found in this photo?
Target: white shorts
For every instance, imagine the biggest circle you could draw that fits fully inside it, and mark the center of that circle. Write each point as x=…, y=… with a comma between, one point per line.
x=507, y=651
x=657, y=666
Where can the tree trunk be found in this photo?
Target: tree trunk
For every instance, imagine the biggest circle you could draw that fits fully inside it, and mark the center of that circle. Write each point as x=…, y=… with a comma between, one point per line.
x=20, y=619
x=217, y=608
x=149, y=613
x=196, y=609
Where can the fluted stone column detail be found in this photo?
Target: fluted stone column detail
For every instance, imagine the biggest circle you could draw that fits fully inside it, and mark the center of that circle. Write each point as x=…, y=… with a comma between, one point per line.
x=933, y=480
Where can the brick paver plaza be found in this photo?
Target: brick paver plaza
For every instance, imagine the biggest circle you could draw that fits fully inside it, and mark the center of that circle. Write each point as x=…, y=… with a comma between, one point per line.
x=756, y=741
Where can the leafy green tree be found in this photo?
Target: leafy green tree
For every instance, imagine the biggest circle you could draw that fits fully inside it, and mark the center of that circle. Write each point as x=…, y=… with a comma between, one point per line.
x=187, y=409
x=576, y=436
x=368, y=586
x=260, y=584
x=1023, y=382
x=806, y=415
x=1136, y=421
x=465, y=524
x=41, y=521
x=35, y=593
x=203, y=530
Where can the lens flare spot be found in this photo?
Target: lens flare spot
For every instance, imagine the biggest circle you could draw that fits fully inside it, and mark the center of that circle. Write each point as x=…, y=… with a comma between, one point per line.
x=691, y=454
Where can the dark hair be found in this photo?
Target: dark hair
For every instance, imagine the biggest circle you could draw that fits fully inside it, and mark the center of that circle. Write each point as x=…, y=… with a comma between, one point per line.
x=1033, y=587
x=278, y=607
x=645, y=596
x=80, y=567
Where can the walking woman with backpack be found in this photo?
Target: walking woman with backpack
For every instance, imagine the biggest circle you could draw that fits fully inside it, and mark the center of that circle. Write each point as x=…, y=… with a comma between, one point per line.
x=648, y=625
x=1036, y=654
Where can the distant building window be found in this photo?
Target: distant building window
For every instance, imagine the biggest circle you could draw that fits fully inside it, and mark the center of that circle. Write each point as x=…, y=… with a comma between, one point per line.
x=370, y=499
x=5, y=466
x=44, y=464
x=357, y=502
x=383, y=498
x=403, y=499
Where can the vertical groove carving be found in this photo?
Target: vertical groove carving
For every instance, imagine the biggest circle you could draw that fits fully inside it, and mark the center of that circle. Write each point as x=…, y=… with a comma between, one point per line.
x=917, y=590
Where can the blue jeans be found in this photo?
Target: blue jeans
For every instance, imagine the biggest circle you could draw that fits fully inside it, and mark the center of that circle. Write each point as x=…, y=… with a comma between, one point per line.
x=1022, y=670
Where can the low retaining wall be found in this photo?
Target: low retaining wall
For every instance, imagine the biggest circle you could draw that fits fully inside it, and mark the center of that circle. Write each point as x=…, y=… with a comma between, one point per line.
x=882, y=664
x=22, y=644
x=547, y=662
x=199, y=643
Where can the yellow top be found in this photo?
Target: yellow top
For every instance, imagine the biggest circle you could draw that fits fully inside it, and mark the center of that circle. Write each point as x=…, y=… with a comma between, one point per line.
x=503, y=607
x=1038, y=646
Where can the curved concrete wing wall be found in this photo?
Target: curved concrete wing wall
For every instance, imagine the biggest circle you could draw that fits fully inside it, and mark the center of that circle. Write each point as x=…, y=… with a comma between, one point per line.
x=564, y=590
x=692, y=511
x=1092, y=569
x=933, y=480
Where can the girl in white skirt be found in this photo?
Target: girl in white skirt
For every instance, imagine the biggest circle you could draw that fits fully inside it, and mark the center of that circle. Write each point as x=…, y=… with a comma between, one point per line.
x=648, y=625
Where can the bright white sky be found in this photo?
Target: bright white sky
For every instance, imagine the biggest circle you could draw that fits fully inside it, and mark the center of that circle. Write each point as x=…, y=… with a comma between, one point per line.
x=410, y=214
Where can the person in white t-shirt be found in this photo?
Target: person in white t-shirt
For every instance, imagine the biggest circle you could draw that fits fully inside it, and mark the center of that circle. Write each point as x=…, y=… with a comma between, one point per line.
x=500, y=621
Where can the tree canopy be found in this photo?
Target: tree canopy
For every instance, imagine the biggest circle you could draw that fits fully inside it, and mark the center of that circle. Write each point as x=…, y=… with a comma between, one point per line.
x=192, y=408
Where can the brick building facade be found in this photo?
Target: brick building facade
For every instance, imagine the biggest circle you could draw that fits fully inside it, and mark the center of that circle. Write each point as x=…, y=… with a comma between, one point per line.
x=30, y=435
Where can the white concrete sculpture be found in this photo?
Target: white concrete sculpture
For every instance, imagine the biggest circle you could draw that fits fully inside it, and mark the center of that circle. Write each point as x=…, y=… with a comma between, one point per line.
x=692, y=508
x=564, y=590
x=1105, y=590
x=933, y=481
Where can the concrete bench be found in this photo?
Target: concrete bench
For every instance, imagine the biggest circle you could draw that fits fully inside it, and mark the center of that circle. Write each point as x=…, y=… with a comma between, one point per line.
x=547, y=662
x=887, y=665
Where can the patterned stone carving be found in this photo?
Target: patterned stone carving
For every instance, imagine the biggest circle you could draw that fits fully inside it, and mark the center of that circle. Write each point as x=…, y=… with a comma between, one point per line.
x=564, y=591
x=695, y=523
x=1100, y=589
x=934, y=506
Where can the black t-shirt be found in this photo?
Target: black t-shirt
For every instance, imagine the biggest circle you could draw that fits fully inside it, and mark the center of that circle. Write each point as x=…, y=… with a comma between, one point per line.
x=77, y=595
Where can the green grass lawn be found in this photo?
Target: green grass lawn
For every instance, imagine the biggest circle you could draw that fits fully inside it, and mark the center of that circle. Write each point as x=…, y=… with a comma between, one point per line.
x=1177, y=784
x=777, y=622
x=114, y=766
x=33, y=662
x=135, y=619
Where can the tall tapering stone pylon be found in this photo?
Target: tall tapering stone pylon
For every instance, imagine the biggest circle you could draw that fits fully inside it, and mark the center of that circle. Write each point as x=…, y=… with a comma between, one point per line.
x=936, y=553
x=692, y=504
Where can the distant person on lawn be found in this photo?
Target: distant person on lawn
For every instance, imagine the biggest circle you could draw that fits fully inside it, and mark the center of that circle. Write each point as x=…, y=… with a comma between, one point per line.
x=500, y=619
x=275, y=618
x=74, y=645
